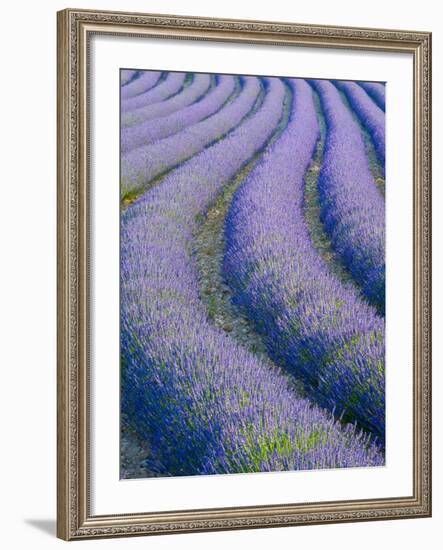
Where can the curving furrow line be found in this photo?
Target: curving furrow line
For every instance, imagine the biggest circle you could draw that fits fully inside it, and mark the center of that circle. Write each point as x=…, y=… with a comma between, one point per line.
x=141, y=165
x=144, y=82
x=369, y=114
x=146, y=133
x=352, y=209
x=199, y=86
x=377, y=91
x=126, y=75
x=206, y=405
x=308, y=319
x=169, y=86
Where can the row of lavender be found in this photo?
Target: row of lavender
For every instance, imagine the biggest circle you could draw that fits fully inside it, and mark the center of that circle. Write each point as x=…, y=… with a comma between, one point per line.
x=353, y=210
x=141, y=165
x=205, y=403
x=147, y=132
x=319, y=329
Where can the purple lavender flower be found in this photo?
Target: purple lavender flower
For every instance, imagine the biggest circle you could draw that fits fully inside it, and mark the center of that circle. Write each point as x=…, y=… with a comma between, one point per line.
x=195, y=91
x=141, y=165
x=126, y=75
x=171, y=85
x=308, y=318
x=142, y=83
x=148, y=132
x=353, y=210
x=377, y=91
x=370, y=115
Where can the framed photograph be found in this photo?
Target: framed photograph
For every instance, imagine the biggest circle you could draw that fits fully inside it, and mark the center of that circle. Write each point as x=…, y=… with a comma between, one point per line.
x=244, y=298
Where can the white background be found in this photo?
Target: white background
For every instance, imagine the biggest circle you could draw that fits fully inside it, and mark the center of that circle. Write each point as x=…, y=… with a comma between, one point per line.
x=28, y=275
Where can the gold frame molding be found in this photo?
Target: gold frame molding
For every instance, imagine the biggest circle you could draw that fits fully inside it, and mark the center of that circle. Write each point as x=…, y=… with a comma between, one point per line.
x=75, y=27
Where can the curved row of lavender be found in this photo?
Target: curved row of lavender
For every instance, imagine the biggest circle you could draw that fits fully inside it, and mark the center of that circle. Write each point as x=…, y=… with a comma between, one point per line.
x=197, y=88
x=203, y=402
x=126, y=75
x=369, y=114
x=164, y=89
x=141, y=165
x=352, y=208
x=306, y=316
x=148, y=132
x=144, y=82
x=377, y=91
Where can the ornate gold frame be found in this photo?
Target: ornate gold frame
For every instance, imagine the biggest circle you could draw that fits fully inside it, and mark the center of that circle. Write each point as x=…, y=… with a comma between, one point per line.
x=74, y=518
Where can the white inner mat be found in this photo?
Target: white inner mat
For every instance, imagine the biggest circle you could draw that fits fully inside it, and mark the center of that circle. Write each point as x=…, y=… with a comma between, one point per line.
x=109, y=495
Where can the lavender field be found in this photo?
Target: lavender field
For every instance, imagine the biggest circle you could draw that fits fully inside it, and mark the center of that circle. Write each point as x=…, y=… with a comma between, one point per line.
x=252, y=319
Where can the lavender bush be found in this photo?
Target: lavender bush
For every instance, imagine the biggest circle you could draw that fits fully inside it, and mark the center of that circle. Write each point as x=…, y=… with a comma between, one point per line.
x=377, y=91
x=126, y=75
x=164, y=89
x=205, y=404
x=148, y=132
x=144, y=82
x=307, y=318
x=187, y=95
x=141, y=165
x=352, y=207
x=370, y=115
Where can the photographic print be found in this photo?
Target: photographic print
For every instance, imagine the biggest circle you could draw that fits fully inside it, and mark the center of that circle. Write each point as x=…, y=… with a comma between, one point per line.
x=252, y=274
